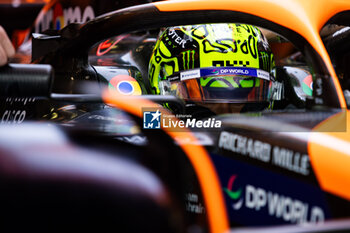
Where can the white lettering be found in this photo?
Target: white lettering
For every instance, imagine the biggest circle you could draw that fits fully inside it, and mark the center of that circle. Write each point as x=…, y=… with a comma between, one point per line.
x=190, y=74
x=181, y=124
x=260, y=198
x=290, y=160
x=234, y=71
x=5, y=117
x=192, y=197
x=279, y=206
x=287, y=214
x=178, y=40
x=250, y=197
x=45, y=21
x=217, y=124
x=168, y=122
x=13, y=117
x=88, y=14
x=199, y=124
x=247, y=146
x=206, y=123
x=193, y=205
x=190, y=123
x=278, y=156
x=261, y=151
x=255, y=197
x=317, y=215
x=275, y=205
x=70, y=15
x=263, y=74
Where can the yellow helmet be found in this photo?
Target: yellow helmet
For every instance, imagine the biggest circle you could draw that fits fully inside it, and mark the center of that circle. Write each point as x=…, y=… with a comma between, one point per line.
x=212, y=63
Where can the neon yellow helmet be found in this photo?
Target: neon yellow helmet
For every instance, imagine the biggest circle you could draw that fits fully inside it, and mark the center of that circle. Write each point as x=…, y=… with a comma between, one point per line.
x=212, y=63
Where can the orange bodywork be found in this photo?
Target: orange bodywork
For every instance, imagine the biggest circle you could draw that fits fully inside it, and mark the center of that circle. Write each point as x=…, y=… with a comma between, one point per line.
x=329, y=143
x=328, y=150
x=198, y=156
x=329, y=153
x=305, y=17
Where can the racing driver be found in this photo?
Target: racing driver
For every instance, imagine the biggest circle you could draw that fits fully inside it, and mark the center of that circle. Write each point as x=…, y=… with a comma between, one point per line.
x=215, y=68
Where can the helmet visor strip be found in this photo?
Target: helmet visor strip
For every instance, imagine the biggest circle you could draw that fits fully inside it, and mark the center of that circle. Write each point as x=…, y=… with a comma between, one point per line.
x=219, y=84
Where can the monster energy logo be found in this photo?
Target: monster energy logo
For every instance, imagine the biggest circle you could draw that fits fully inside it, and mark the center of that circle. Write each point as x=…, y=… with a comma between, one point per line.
x=188, y=59
x=265, y=61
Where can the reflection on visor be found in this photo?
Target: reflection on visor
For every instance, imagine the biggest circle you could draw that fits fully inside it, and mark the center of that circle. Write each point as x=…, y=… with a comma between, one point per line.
x=219, y=84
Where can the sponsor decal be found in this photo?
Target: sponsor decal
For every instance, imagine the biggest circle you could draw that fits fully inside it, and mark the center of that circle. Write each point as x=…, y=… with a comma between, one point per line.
x=242, y=71
x=13, y=116
x=258, y=196
x=215, y=71
x=274, y=204
x=176, y=38
x=307, y=85
x=57, y=17
x=234, y=71
x=16, y=111
x=263, y=74
x=125, y=85
x=188, y=58
x=19, y=100
x=153, y=119
x=173, y=78
x=262, y=151
x=191, y=74
x=193, y=204
x=234, y=195
x=282, y=206
x=265, y=58
x=205, y=72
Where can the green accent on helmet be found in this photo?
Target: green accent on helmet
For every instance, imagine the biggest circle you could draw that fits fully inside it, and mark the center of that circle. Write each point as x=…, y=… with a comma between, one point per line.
x=247, y=83
x=188, y=59
x=210, y=45
x=224, y=82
